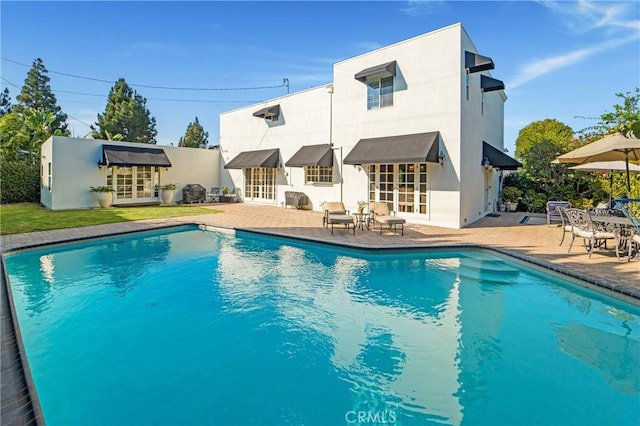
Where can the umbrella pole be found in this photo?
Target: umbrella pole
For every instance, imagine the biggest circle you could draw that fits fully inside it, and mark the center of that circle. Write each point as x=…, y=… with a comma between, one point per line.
x=628, y=178
x=610, y=188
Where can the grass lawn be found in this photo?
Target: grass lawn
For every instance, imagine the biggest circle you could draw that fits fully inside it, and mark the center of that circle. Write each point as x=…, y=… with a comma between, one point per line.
x=25, y=217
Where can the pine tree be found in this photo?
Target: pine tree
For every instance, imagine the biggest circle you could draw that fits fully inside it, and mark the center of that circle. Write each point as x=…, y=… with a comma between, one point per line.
x=5, y=103
x=36, y=94
x=194, y=136
x=126, y=114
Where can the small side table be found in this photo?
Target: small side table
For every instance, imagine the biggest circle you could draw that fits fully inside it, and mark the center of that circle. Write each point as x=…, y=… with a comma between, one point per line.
x=362, y=220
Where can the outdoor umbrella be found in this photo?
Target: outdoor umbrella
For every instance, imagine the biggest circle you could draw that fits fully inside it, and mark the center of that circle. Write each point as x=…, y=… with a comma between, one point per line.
x=609, y=148
x=608, y=166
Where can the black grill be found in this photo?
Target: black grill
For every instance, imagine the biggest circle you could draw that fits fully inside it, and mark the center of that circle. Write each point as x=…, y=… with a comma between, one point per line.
x=194, y=193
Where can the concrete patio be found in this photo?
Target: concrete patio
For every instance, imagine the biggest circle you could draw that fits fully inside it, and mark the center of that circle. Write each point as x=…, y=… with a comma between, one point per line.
x=536, y=243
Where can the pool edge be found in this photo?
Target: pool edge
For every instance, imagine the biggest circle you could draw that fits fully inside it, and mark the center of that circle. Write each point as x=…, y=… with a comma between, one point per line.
x=21, y=366
x=20, y=403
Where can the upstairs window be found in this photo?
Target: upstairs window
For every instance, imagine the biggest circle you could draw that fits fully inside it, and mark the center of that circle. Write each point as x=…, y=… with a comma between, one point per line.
x=380, y=93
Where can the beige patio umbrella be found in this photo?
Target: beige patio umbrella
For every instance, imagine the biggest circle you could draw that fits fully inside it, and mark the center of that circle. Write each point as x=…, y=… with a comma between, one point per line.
x=614, y=147
x=608, y=166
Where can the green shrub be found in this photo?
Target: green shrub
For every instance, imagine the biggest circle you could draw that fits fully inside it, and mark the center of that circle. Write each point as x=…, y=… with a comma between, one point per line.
x=511, y=193
x=535, y=202
x=19, y=182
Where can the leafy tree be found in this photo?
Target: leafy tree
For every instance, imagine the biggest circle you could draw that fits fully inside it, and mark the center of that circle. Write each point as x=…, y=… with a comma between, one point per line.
x=37, y=95
x=22, y=134
x=126, y=114
x=194, y=136
x=623, y=118
x=549, y=129
x=5, y=102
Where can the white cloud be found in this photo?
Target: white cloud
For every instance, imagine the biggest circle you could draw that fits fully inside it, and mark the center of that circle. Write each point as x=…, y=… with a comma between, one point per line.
x=540, y=67
x=581, y=17
x=421, y=7
x=367, y=45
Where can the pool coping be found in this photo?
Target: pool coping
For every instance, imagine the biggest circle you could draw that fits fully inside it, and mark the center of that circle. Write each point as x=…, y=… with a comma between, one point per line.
x=31, y=411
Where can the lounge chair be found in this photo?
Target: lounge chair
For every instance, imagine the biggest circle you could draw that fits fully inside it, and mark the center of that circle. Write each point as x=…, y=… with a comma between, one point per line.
x=381, y=215
x=335, y=213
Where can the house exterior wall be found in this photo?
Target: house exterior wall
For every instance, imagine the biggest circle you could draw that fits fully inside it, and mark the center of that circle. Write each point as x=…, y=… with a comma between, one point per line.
x=429, y=67
x=75, y=169
x=482, y=119
x=304, y=120
x=429, y=95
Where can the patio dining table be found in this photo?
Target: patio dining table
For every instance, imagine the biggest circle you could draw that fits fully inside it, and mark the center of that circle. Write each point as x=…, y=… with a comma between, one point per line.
x=614, y=220
x=624, y=228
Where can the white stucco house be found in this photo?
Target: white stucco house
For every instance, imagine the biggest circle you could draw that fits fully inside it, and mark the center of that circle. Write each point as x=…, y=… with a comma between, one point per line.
x=70, y=166
x=417, y=124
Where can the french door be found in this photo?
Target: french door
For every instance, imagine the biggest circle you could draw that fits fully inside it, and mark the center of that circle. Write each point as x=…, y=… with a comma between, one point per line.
x=134, y=184
x=402, y=186
x=260, y=184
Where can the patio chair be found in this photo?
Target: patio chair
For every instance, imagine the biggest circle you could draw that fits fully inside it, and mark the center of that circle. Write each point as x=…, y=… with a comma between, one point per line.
x=628, y=235
x=335, y=213
x=214, y=195
x=566, y=223
x=381, y=215
x=552, y=210
x=583, y=227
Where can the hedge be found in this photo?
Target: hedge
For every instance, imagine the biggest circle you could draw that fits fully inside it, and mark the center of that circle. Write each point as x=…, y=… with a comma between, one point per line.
x=19, y=182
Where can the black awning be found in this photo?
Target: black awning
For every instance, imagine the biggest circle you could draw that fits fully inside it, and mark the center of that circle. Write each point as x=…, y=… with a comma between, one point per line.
x=416, y=148
x=488, y=84
x=267, y=158
x=119, y=155
x=268, y=112
x=312, y=155
x=384, y=70
x=498, y=159
x=475, y=62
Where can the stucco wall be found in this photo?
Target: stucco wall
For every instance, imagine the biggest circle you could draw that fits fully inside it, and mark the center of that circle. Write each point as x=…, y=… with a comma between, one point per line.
x=75, y=169
x=429, y=95
x=478, y=124
x=304, y=121
x=429, y=67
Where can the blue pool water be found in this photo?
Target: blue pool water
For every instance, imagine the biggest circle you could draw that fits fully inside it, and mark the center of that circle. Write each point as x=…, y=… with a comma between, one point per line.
x=188, y=327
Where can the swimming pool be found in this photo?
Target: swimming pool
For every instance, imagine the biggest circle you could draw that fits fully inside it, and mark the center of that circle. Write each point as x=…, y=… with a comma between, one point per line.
x=188, y=327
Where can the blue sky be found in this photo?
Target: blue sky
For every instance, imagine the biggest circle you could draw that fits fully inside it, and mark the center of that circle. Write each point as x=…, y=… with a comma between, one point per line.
x=563, y=60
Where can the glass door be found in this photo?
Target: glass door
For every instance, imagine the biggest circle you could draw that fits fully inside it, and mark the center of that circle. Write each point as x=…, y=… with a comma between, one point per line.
x=406, y=188
x=260, y=184
x=145, y=187
x=402, y=186
x=133, y=184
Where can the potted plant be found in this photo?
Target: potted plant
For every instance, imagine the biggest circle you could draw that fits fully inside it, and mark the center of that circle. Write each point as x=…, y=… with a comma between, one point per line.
x=103, y=195
x=225, y=191
x=167, y=192
x=361, y=206
x=511, y=195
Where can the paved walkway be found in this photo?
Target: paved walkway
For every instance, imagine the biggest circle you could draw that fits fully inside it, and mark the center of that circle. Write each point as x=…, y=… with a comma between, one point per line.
x=534, y=243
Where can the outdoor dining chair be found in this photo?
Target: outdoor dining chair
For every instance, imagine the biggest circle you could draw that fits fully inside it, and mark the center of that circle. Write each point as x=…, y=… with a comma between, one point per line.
x=592, y=234
x=566, y=223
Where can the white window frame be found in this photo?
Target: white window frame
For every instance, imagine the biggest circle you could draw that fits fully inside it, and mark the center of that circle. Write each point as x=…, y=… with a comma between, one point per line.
x=378, y=93
x=318, y=174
